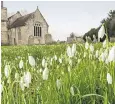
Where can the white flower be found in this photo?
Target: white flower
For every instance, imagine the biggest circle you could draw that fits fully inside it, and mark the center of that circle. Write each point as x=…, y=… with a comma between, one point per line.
x=73, y=50
x=79, y=60
x=21, y=64
x=69, y=53
x=106, y=61
x=109, y=78
x=94, y=39
x=60, y=60
x=69, y=69
x=1, y=88
x=91, y=48
x=31, y=60
x=27, y=79
x=97, y=54
x=104, y=56
x=45, y=73
x=16, y=76
x=86, y=45
x=104, y=44
x=101, y=32
x=111, y=56
x=7, y=71
x=58, y=83
x=40, y=70
x=84, y=54
x=55, y=57
x=22, y=83
x=43, y=62
x=72, y=91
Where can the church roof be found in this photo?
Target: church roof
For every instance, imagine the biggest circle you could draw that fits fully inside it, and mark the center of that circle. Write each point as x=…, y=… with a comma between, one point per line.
x=20, y=21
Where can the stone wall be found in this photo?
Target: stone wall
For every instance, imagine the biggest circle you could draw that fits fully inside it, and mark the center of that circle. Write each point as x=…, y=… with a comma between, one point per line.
x=48, y=38
x=4, y=13
x=4, y=32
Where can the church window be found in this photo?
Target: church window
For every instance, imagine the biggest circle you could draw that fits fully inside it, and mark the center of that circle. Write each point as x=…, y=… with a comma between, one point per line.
x=37, y=29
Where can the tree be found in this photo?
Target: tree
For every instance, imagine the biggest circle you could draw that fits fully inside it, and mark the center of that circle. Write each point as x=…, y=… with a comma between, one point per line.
x=109, y=26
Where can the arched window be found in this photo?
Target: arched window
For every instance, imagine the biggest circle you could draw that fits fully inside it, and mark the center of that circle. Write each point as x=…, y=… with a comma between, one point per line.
x=37, y=29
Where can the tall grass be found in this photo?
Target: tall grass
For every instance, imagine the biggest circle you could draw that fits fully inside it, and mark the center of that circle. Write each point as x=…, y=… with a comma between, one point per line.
x=85, y=74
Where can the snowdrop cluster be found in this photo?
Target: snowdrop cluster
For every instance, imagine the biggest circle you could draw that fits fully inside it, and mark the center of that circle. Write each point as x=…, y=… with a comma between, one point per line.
x=25, y=80
x=31, y=61
x=7, y=70
x=21, y=64
x=111, y=56
x=109, y=78
x=45, y=74
x=72, y=90
x=58, y=83
x=71, y=50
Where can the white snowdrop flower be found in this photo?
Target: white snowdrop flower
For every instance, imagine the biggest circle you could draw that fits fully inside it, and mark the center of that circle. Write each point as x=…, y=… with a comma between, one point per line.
x=40, y=70
x=69, y=53
x=86, y=45
x=60, y=60
x=111, y=56
x=72, y=91
x=106, y=53
x=84, y=54
x=16, y=76
x=58, y=83
x=45, y=73
x=9, y=81
x=7, y=71
x=69, y=69
x=91, y=48
x=106, y=61
x=55, y=57
x=1, y=88
x=21, y=64
x=104, y=43
x=79, y=60
x=109, y=78
x=97, y=54
x=22, y=83
x=73, y=49
x=18, y=57
x=101, y=32
x=94, y=39
x=27, y=79
x=31, y=61
x=43, y=62
x=103, y=56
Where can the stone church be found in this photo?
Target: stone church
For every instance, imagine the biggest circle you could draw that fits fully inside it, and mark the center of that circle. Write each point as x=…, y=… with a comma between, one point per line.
x=23, y=30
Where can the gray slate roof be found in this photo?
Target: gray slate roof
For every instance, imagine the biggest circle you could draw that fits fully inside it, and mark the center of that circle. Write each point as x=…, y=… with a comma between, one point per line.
x=20, y=21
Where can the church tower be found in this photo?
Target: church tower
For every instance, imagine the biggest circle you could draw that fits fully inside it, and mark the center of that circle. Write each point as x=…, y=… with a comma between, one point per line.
x=4, y=31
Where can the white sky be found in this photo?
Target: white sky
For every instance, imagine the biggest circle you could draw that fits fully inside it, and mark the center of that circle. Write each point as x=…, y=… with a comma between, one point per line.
x=65, y=17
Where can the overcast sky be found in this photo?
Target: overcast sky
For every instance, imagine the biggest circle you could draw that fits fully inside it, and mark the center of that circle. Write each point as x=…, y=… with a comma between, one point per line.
x=65, y=17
